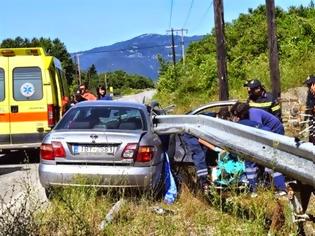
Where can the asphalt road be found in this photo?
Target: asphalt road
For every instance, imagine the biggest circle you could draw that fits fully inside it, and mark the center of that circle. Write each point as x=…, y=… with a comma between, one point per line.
x=19, y=178
x=19, y=170
x=140, y=97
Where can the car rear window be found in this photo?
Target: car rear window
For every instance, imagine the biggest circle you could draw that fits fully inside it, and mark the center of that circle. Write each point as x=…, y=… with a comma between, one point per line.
x=1, y=84
x=119, y=118
x=27, y=83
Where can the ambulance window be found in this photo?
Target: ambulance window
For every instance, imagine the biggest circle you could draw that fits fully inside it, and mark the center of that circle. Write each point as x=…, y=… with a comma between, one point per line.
x=27, y=83
x=60, y=82
x=1, y=84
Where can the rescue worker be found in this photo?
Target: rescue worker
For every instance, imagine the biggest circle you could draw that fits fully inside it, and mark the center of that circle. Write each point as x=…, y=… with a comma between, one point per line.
x=259, y=98
x=85, y=93
x=310, y=106
x=306, y=190
x=199, y=159
x=261, y=119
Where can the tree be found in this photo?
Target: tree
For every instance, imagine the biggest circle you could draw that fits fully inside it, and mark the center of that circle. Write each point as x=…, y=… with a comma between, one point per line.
x=247, y=57
x=92, y=77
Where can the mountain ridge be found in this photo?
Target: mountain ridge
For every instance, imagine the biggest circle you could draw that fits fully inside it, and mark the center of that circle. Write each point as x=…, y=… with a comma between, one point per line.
x=137, y=55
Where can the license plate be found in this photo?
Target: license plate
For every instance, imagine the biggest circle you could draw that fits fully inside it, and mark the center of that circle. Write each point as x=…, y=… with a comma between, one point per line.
x=78, y=149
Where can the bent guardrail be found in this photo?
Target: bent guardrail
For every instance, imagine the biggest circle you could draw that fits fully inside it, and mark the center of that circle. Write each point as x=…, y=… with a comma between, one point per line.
x=278, y=152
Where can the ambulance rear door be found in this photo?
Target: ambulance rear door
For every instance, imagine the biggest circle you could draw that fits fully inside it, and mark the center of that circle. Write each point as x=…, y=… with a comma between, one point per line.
x=4, y=102
x=28, y=103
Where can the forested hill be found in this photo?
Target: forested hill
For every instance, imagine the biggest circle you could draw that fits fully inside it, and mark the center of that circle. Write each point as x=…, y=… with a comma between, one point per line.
x=135, y=56
x=247, y=49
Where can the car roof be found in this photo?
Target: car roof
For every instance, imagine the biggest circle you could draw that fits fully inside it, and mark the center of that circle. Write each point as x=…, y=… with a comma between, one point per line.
x=210, y=104
x=111, y=103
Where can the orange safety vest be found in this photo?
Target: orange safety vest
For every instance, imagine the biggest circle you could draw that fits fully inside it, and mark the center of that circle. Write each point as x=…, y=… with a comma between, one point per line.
x=89, y=96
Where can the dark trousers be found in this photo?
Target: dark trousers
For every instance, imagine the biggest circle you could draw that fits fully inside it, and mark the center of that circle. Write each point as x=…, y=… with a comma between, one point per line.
x=198, y=155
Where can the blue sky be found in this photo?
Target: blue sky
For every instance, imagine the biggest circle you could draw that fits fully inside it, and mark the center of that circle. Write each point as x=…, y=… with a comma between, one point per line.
x=85, y=24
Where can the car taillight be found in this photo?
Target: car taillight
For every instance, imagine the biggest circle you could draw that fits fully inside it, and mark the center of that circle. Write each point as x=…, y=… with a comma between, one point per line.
x=51, y=151
x=130, y=151
x=139, y=154
x=51, y=115
x=46, y=152
x=145, y=154
x=58, y=149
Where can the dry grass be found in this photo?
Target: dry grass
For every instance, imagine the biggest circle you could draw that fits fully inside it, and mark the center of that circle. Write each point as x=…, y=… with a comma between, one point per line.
x=80, y=211
x=192, y=215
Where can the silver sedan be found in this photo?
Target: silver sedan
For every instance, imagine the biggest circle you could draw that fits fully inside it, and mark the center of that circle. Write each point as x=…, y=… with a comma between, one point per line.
x=108, y=143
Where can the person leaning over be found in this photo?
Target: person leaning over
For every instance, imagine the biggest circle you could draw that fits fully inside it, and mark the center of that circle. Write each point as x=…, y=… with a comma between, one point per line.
x=85, y=93
x=261, y=119
x=310, y=106
x=259, y=98
x=101, y=93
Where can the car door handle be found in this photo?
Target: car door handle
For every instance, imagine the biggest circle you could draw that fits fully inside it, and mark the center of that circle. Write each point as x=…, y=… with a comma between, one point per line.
x=14, y=109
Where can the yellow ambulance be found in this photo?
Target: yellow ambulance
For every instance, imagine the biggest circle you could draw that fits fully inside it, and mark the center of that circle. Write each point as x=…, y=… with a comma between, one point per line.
x=33, y=96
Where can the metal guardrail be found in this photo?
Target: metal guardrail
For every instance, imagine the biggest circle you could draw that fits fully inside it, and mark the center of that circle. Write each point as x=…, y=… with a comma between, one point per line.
x=278, y=152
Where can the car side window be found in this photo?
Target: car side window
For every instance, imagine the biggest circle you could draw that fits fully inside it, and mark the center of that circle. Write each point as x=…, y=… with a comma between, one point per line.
x=214, y=110
x=27, y=83
x=2, y=85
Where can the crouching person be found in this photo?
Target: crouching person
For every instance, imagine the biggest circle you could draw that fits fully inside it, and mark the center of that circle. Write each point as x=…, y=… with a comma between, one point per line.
x=199, y=159
x=260, y=119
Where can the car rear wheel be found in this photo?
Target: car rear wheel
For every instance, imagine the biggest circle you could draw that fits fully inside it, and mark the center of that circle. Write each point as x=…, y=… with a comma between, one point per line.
x=158, y=192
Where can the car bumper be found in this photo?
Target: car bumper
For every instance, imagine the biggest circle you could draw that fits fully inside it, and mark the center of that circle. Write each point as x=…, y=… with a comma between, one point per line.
x=99, y=176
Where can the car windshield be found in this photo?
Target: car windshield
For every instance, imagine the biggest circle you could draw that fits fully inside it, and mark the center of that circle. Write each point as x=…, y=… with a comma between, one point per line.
x=100, y=117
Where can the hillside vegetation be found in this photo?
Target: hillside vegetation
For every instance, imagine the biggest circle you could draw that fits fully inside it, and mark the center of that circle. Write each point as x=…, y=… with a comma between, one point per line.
x=247, y=53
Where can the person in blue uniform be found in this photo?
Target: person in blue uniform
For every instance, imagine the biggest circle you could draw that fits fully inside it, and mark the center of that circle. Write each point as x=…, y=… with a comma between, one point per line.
x=261, y=119
x=310, y=106
x=199, y=159
x=258, y=97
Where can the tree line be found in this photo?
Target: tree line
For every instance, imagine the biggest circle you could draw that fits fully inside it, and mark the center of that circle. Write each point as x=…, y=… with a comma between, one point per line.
x=121, y=81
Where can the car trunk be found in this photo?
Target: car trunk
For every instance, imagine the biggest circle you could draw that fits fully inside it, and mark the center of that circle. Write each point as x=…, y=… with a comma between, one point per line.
x=96, y=147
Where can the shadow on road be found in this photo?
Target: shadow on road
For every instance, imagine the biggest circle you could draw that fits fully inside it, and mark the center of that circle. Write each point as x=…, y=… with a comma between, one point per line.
x=6, y=170
x=20, y=157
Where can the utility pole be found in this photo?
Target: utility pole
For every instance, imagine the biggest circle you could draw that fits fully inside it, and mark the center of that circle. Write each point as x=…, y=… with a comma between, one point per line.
x=182, y=43
x=173, y=48
x=221, y=54
x=182, y=31
x=79, y=70
x=273, y=49
x=105, y=80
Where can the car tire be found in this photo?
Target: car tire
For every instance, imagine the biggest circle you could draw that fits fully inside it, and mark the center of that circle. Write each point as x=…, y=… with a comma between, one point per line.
x=158, y=192
x=31, y=155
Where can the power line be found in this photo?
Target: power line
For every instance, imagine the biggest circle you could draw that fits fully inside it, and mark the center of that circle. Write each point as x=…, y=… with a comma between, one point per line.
x=171, y=14
x=188, y=14
x=202, y=18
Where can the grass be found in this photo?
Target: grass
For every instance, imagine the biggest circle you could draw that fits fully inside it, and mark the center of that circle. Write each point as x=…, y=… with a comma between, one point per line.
x=80, y=211
x=74, y=211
